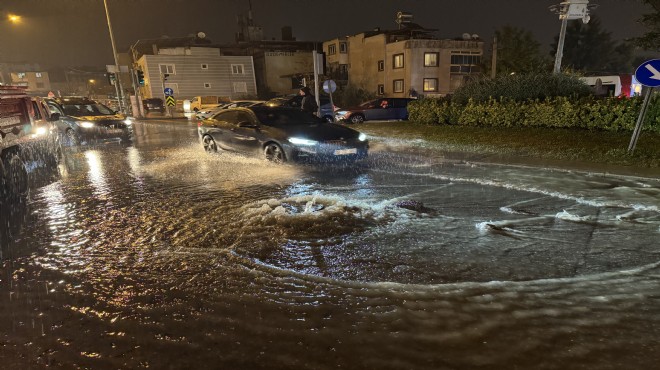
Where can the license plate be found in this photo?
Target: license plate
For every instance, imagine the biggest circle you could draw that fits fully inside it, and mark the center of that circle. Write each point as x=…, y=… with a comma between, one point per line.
x=345, y=151
x=114, y=131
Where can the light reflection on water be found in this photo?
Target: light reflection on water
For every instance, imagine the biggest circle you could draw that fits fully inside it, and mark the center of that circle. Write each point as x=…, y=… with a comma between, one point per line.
x=170, y=258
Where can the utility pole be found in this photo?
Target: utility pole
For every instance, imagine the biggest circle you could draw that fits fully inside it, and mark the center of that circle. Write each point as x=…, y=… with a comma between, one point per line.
x=120, y=91
x=493, y=63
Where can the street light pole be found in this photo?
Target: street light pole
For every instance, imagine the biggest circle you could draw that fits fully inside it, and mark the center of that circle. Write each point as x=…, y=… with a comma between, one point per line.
x=568, y=10
x=118, y=87
x=560, y=45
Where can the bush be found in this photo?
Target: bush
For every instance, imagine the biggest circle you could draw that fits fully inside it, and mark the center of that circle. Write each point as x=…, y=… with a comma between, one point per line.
x=608, y=114
x=522, y=87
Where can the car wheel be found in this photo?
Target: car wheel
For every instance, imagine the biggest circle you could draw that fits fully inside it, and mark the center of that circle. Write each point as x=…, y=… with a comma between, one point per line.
x=357, y=118
x=274, y=153
x=71, y=137
x=16, y=175
x=209, y=144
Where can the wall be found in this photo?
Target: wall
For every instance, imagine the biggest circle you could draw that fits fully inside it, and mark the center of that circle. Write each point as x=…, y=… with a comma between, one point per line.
x=280, y=66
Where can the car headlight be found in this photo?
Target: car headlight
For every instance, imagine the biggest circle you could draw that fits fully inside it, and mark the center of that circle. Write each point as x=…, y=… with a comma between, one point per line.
x=341, y=113
x=362, y=137
x=41, y=131
x=128, y=121
x=301, y=141
x=86, y=124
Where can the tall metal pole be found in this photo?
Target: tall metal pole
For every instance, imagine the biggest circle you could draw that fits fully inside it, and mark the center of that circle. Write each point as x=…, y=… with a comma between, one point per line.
x=560, y=45
x=640, y=121
x=315, y=55
x=120, y=90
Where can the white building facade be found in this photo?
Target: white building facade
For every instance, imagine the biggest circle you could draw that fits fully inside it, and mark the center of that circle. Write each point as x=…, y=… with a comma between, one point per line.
x=197, y=71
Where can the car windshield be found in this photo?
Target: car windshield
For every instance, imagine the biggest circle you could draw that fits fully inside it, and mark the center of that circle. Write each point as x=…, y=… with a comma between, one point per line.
x=77, y=110
x=285, y=117
x=368, y=103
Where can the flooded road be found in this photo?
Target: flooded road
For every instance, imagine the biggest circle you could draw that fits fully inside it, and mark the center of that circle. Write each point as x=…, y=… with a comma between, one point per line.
x=157, y=255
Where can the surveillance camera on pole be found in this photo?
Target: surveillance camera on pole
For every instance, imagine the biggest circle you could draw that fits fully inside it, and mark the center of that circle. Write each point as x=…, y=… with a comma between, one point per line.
x=569, y=10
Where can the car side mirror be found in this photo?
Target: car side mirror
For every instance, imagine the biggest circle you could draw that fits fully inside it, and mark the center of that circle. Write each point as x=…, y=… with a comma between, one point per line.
x=54, y=117
x=247, y=124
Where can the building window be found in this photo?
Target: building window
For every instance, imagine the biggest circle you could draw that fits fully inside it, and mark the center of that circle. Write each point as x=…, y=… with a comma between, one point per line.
x=332, y=49
x=343, y=47
x=430, y=59
x=464, y=62
x=240, y=87
x=381, y=65
x=237, y=69
x=207, y=85
x=20, y=75
x=397, y=61
x=167, y=69
x=381, y=89
x=430, y=84
x=205, y=66
x=398, y=86
x=38, y=75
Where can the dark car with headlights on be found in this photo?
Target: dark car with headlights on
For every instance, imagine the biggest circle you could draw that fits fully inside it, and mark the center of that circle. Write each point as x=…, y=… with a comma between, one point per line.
x=83, y=120
x=281, y=134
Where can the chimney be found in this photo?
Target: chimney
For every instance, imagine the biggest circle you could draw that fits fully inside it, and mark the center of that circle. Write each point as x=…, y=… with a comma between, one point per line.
x=287, y=33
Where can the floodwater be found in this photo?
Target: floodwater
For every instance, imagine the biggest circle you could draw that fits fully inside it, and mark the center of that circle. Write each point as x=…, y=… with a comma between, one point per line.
x=157, y=255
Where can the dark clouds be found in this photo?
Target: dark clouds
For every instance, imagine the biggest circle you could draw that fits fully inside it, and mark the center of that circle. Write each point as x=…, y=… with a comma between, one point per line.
x=75, y=32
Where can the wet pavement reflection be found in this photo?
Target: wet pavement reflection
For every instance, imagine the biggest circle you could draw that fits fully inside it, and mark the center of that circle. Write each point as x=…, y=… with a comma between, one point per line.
x=154, y=254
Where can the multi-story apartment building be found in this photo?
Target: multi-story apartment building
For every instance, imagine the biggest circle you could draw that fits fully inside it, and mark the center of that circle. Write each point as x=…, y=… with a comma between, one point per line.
x=403, y=62
x=192, y=70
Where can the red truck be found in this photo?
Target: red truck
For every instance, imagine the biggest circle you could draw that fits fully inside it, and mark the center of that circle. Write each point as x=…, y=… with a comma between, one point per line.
x=28, y=139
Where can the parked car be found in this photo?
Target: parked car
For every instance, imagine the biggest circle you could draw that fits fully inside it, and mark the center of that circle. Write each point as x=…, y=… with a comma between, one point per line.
x=379, y=109
x=235, y=104
x=83, y=120
x=153, y=105
x=281, y=134
x=200, y=103
x=295, y=101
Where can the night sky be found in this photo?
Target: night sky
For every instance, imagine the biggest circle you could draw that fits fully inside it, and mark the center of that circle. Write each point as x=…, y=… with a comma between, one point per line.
x=74, y=32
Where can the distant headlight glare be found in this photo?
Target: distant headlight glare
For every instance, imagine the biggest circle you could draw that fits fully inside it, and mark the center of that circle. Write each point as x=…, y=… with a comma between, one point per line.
x=362, y=137
x=301, y=141
x=41, y=131
x=86, y=124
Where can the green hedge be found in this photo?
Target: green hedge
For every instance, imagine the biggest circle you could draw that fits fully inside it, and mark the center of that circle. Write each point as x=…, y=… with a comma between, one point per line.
x=523, y=87
x=588, y=113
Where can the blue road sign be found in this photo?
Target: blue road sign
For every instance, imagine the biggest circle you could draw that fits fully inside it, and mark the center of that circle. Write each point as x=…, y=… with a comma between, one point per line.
x=168, y=91
x=648, y=73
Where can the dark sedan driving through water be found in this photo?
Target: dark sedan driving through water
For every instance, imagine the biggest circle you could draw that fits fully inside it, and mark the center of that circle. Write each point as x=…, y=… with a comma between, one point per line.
x=281, y=134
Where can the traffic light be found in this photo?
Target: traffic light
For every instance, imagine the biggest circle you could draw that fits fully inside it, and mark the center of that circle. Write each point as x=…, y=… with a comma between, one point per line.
x=165, y=76
x=140, y=77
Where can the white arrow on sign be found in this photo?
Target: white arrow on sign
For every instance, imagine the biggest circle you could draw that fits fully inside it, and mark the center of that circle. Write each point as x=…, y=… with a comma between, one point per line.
x=656, y=73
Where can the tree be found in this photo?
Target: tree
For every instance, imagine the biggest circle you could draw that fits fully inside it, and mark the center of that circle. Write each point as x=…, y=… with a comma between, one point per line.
x=588, y=48
x=518, y=51
x=651, y=39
